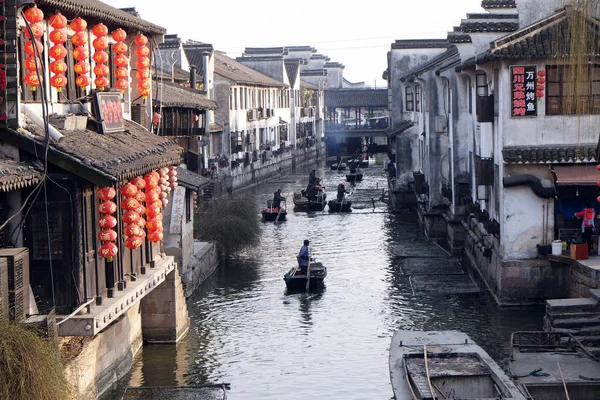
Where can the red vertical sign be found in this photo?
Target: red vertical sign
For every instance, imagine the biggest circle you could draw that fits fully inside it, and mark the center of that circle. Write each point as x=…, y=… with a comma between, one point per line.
x=523, y=99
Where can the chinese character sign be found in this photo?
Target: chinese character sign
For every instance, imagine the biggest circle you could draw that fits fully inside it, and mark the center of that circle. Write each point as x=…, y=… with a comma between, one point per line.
x=177, y=210
x=523, y=98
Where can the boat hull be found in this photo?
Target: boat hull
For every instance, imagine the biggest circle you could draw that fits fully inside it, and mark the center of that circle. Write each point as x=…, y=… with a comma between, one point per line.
x=271, y=216
x=341, y=167
x=302, y=203
x=354, y=177
x=295, y=280
x=336, y=206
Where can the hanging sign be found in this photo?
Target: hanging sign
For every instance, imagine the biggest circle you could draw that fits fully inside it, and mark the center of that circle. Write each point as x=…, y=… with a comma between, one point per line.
x=177, y=210
x=523, y=91
x=110, y=111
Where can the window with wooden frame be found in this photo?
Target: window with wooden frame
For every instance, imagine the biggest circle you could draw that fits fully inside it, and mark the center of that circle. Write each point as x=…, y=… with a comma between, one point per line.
x=567, y=95
x=418, y=98
x=408, y=96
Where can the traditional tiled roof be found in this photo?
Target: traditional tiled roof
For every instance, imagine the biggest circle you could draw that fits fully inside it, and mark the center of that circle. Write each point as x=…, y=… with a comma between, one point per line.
x=458, y=37
x=441, y=62
x=17, y=175
x=253, y=51
x=179, y=75
x=194, y=52
x=339, y=98
x=548, y=155
x=172, y=95
x=489, y=26
x=100, y=11
x=306, y=85
x=240, y=74
x=334, y=65
x=313, y=72
x=103, y=158
x=420, y=44
x=498, y=4
x=170, y=41
x=190, y=179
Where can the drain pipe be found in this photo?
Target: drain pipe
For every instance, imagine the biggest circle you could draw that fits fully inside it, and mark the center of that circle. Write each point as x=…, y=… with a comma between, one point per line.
x=533, y=182
x=29, y=112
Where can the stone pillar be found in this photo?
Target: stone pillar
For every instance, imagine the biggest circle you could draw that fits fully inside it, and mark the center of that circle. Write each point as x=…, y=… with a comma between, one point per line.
x=164, y=311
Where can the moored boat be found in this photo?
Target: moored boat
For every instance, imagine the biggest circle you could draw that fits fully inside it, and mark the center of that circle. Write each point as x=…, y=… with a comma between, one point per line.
x=354, y=177
x=296, y=280
x=445, y=365
x=340, y=206
x=303, y=203
x=338, y=167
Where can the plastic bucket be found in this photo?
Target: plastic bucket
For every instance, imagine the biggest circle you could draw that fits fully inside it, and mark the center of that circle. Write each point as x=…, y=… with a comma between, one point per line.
x=556, y=247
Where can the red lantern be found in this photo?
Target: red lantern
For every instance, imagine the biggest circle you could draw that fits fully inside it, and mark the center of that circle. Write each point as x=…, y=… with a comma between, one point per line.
x=139, y=182
x=34, y=15
x=107, y=235
x=141, y=40
x=132, y=230
x=140, y=210
x=598, y=199
x=78, y=24
x=81, y=53
x=83, y=81
x=119, y=48
x=152, y=210
x=155, y=236
x=57, y=21
x=151, y=182
x=598, y=183
x=598, y=167
x=541, y=73
x=100, y=57
x=141, y=222
x=129, y=190
x=58, y=36
x=82, y=67
x=134, y=242
x=100, y=43
x=101, y=82
x=121, y=60
x=121, y=73
x=58, y=51
x=130, y=217
x=142, y=74
x=119, y=35
x=130, y=204
x=31, y=64
x=142, y=51
x=30, y=48
x=58, y=81
x=79, y=39
x=58, y=67
x=122, y=84
x=107, y=207
x=143, y=62
x=37, y=29
x=100, y=30
x=152, y=195
x=539, y=95
x=106, y=193
x=108, y=250
x=155, y=223
x=31, y=79
x=541, y=80
x=539, y=88
x=140, y=196
x=107, y=222
x=101, y=70
x=144, y=92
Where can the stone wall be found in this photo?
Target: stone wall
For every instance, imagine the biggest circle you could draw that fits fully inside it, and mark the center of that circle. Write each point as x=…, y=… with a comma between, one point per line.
x=583, y=278
x=96, y=364
x=204, y=262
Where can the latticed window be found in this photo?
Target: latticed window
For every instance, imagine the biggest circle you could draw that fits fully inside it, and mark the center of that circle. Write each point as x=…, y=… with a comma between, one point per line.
x=410, y=102
x=572, y=91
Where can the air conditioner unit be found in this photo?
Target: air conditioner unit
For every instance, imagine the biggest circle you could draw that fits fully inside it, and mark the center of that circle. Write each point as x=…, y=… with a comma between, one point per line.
x=17, y=261
x=3, y=290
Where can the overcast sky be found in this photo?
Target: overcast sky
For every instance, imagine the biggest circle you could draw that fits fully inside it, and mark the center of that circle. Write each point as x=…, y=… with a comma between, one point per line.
x=356, y=36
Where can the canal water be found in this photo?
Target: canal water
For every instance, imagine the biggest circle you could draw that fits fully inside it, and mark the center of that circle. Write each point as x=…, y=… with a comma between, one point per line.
x=268, y=344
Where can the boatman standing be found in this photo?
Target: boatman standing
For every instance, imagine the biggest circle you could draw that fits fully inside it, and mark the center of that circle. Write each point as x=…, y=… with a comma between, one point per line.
x=341, y=191
x=277, y=199
x=303, y=257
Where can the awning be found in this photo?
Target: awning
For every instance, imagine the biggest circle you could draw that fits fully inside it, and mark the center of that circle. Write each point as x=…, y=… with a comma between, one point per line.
x=576, y=174
x=190, y=179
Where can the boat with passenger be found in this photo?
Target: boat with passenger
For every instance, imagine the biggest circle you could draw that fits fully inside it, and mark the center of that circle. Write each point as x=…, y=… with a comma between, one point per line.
x=295, y=279
x=313, y=198
x=276, y=214
x=445, y=365
x=354, y=176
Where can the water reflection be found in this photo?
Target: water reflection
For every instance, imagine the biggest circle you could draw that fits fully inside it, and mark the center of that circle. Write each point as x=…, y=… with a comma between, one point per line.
x=270, y=344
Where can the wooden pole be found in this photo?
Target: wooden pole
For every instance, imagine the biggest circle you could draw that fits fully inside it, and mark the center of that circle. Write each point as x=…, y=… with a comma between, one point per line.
x=433, y=396
x=563, y=381
x=308, y=273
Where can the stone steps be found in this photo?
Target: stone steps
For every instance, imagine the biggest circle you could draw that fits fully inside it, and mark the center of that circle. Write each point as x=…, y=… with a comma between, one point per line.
x=571, y=305
x=575, y=323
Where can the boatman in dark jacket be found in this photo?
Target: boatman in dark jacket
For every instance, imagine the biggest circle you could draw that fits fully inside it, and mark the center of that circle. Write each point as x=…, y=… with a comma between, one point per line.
x=341, y=191
x=277, y=199
x=303, y=257
x=312, y=177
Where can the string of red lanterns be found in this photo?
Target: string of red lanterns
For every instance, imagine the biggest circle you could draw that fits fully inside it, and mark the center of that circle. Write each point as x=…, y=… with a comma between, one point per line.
x=107, y=235
x=81, y=52
x=100, y=56
x=143, y=65
x=540, y=86
x=121, y=61
x=32, y=64
x=58, y=52
x=133, y=207
x=153, y=207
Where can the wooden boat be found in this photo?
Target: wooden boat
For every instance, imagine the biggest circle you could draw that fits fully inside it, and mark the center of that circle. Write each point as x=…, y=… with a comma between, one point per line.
x=296, y=280
x=360, y=163
x=354, y=177
x=270, y=213
x=340, y=206
x=445, y=365
x=302, y=203
x=542, y=363
x=338, y=167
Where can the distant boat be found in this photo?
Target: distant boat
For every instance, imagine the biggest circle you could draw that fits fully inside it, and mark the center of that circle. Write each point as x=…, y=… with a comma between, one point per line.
x=270, y=213
x=296, y=280
x=338, y=167
x=302, y=203
x=340, y=206
x=542, y=363
x=440, y=365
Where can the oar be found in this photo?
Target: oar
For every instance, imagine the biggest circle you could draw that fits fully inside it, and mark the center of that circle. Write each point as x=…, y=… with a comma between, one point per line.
x=279, y=212
x=308, y=273
x=563, y=381
x=433, y=396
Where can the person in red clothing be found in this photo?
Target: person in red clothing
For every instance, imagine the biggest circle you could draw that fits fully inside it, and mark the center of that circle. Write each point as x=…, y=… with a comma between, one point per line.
x=588, y=216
